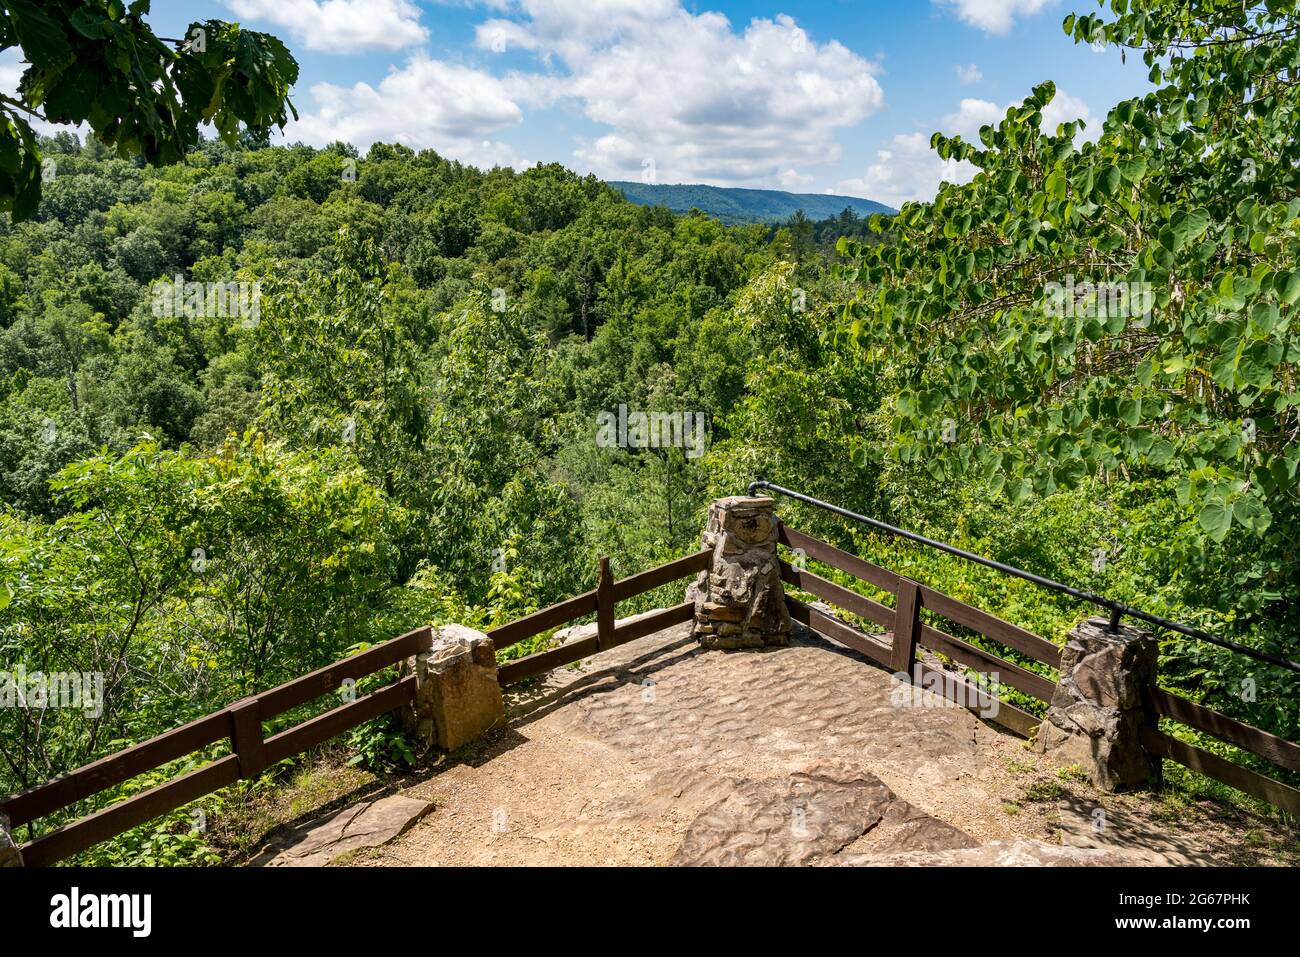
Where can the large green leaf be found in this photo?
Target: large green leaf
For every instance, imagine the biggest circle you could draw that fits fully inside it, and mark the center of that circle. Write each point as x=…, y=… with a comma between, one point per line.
x=1215, y=518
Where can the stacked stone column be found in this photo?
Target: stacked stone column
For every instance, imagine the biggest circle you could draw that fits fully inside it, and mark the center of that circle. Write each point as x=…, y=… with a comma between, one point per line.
x=739, y=601
x=457, y=698
x=1099, y=706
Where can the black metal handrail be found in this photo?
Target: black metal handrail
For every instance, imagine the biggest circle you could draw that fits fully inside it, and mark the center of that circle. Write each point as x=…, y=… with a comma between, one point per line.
x=1116, y=609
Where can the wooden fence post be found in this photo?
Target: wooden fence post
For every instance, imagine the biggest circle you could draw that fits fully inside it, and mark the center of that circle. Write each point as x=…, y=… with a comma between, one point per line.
x=246, y=737
x=907, y=627
x=605, y=607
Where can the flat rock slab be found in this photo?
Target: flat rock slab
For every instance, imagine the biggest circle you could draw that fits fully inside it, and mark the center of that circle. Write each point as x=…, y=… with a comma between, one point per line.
x=808, y=817
x=370, y=824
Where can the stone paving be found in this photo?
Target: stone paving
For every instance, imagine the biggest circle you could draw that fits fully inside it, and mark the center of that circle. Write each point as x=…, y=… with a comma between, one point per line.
x=661, y=752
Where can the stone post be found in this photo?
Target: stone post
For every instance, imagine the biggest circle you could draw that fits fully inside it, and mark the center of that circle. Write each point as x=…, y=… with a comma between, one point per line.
x=739, y=601
x=1098, y=707
x=10, y=856
x=457, y=698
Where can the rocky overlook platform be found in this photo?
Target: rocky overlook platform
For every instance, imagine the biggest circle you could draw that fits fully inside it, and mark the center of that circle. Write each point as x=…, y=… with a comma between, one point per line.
x=661, y=752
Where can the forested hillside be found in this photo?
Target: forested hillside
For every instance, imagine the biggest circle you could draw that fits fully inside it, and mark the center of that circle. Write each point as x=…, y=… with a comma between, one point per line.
x=735, y=205
x=275, y=403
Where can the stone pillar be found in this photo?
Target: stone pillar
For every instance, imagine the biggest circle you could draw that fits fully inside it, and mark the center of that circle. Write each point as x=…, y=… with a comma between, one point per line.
x=10, y=856
x=457, y=697
x=739, y=601
x=1098, y=707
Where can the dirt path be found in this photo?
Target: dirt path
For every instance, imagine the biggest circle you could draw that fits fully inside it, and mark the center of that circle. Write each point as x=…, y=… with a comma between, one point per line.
x=661, y=753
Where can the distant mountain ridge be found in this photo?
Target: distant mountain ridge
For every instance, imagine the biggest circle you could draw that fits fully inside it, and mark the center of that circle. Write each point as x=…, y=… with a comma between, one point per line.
x=737, y=205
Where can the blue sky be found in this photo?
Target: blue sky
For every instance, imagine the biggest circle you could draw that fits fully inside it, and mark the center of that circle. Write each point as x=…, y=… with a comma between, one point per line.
x=831, y=96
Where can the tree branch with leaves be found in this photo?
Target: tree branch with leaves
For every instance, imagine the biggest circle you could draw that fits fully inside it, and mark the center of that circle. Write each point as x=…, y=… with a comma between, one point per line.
x=99, y=63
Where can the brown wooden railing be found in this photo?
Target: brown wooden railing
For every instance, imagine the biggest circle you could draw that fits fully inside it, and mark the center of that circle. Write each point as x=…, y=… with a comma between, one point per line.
x=1271, y=748
x=602, y=601
x=252, y=752
x=909, y=632
x=897, y=650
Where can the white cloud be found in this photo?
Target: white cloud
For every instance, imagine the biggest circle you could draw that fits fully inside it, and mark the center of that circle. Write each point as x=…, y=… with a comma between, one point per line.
x=688, y=93
x=1065, y=108
x=968, y=74
x=909, y=170
x=340, y=26
x=12, y=66
x=994, y=16
x=426, y=104
x=970, y=116
x=794, y=181
x=570, y=30
x=973, y=113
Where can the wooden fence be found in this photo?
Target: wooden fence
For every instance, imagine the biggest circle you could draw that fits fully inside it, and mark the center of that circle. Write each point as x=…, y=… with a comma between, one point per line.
x=252, y=752
x=601, y=601
x=909, y=632
x=1271, y=748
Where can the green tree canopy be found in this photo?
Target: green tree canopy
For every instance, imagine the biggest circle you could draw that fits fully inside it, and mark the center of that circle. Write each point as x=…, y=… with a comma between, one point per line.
x=1083, y=308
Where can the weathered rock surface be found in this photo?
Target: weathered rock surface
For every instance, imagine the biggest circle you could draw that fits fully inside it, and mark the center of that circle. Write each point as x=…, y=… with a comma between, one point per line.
x=613, y=763
x=1097, y=708
x=457, y=697
x=739, y=602
x=370, y=824
x=808, y=817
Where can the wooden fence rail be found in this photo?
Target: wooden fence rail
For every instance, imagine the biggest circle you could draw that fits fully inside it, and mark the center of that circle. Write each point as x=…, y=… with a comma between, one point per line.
x=100, y=775
x=897, y=651
x=906, y=632
x=1268, y=746
x=1267, y=789
x=251, y=752
x=603, y=600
